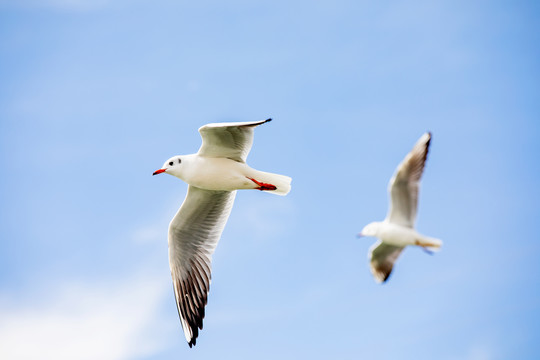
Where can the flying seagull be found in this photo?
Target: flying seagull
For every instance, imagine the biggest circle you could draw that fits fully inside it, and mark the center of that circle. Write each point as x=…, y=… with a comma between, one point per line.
x=397, y=230
x=213, y=175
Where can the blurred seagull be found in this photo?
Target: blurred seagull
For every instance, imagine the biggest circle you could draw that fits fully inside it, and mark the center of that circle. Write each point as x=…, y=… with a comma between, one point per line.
x=213, y=175
x=397, y=230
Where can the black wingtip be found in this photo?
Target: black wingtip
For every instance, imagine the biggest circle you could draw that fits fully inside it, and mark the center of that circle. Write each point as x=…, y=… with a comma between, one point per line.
x=383, y=279
x=259, y=122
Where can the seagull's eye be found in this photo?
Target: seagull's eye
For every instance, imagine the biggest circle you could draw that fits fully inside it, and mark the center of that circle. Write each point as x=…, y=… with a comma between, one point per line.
x=179, y=161
x=171, y=163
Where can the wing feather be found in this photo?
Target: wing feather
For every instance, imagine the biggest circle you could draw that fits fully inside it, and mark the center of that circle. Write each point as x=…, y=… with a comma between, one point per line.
x=382, y=257
x=228, y=140
x=193, y=236
x=405, y=183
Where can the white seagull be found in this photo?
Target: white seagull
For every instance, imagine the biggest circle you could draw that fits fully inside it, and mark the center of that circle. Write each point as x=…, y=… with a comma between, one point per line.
x=213, y=175
x=397, y=230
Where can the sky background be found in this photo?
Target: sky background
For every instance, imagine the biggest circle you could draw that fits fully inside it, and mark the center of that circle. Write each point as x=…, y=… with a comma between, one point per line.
x=96, y=95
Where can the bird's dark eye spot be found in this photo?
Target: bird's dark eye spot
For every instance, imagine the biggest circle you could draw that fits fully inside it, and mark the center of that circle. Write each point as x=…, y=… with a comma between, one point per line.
x=171, y=163
x=179, y=161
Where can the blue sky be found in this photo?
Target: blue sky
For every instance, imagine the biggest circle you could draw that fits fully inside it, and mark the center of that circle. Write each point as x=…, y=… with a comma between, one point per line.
x=96, y=95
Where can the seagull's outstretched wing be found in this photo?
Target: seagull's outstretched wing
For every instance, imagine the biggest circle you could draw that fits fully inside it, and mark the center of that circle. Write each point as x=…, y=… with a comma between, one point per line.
x=193, y=235
x=404, y=185
x=382, y=258
x=228, y=140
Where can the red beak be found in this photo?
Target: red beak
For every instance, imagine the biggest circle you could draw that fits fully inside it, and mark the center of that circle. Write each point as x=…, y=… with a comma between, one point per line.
x=158, y=171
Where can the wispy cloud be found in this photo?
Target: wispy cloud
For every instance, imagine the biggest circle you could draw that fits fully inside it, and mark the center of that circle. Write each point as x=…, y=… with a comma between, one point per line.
x=111, y=321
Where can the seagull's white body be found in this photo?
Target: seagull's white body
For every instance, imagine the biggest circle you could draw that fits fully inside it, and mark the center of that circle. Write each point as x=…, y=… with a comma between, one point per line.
x=396, y=235
x=213, y=174
x=397, y=230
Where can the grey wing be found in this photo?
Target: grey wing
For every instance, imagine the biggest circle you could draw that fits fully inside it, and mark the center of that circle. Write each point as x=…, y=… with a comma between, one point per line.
x=405, y=183
x=382, y=257
x=228, y=140
x=193, y=235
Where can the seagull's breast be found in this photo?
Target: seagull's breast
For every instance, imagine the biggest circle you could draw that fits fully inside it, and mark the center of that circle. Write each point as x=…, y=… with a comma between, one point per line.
x=218, y=174
x=397, y=235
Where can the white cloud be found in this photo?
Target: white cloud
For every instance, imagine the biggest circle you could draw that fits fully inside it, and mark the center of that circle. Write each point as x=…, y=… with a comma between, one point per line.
x=104, y=322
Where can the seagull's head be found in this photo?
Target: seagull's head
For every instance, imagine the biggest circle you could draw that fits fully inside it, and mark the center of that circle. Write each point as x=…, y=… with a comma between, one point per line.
x=173, y=166
x=371, y=229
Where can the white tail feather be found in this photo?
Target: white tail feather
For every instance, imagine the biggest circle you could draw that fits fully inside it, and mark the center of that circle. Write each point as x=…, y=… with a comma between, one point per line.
x=281, y=182
x=430, y=244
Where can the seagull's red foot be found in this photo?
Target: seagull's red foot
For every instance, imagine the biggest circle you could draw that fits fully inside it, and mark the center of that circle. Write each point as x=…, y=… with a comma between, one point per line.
x=263, y=186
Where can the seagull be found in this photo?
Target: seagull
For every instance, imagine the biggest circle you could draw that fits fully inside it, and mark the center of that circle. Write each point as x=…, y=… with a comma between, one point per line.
x=213, y=174
x=397, y=230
